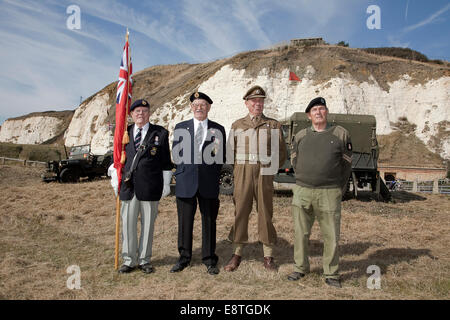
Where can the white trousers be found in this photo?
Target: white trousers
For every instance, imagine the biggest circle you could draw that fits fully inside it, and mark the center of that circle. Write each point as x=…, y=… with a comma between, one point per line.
x=132, y=254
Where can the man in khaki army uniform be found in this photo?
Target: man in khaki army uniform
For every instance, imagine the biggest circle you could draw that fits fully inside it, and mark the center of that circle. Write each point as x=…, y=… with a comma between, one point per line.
x=321, y=157
x=258, y=147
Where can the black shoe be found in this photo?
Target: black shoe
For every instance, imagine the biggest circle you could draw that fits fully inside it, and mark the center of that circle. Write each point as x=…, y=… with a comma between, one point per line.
x=213, y=270
x=146, y=268
x=126, y=269
x=333, y=282
x=178, y=267
x=294, y=276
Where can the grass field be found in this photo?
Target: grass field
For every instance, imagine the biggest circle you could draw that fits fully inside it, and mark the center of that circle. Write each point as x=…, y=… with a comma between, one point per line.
x=45, y=228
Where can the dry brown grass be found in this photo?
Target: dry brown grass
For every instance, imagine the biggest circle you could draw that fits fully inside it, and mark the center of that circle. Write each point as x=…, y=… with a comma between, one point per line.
x=47, y=227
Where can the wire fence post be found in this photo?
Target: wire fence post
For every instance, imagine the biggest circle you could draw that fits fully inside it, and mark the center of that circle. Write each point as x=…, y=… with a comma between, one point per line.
x=436, y=186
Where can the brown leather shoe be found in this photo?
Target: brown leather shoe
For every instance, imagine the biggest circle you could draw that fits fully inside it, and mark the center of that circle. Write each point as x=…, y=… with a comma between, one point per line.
x=269, y=264
x=234, y=263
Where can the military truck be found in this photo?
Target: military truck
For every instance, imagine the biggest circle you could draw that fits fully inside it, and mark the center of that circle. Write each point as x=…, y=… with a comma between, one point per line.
x=80, y=163
x=362, y=129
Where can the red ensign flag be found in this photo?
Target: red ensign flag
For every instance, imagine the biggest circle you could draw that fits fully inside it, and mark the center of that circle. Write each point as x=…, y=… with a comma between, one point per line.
x=293, y=76
x=123, y=99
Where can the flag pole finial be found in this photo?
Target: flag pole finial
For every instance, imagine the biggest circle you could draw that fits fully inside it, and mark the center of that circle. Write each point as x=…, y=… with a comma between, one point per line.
x=128, y=33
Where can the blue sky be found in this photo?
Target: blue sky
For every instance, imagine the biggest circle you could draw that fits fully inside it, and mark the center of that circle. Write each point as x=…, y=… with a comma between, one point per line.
x=47, y=66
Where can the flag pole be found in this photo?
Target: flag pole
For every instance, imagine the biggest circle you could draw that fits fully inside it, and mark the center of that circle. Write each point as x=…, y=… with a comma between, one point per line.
x=287, y=100
x=125, y=140
x=116, y=251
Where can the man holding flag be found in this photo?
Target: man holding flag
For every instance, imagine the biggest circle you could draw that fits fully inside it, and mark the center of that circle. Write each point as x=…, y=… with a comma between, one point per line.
x=146, y=173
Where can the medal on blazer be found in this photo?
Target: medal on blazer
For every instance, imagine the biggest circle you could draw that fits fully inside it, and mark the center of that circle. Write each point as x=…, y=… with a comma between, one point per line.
x=215, y=150
x=156, y=140
x=153, y=151
x=215, y=143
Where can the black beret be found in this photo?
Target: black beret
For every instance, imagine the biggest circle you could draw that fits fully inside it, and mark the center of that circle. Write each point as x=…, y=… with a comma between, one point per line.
x=200, y=95
x=255, y=92
x=314, y=102
x=139, y=103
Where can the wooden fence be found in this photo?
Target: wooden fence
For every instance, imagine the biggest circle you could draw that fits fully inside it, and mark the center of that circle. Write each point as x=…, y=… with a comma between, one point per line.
x=24, y=162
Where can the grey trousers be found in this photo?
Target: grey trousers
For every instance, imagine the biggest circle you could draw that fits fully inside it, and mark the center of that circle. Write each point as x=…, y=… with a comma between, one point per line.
x=132, y=254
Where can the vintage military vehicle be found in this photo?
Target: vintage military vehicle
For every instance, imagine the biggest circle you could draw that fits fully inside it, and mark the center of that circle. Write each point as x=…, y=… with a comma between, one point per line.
x=80, y=163
x=365, y=174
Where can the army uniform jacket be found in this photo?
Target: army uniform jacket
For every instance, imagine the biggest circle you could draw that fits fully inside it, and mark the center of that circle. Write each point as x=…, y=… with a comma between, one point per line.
x=147, y=179
x=245, y=137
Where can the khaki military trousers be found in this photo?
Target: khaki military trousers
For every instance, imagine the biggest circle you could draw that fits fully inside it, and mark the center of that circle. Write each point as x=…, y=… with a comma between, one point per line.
x=325, y=205
x=249, y=184
x=133, y=254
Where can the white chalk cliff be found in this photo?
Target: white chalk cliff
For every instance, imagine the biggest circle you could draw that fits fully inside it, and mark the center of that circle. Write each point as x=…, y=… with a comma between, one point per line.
x=425, y=102
x=32, y=130
x=426, y=105
x=88, y=125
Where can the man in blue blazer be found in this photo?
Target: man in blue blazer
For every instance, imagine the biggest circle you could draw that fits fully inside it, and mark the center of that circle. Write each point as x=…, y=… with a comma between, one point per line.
x=145, y=180
x=198, y=150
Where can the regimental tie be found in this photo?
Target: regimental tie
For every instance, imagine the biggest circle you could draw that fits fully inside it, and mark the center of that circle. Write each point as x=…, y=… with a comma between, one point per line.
x=137, y=139
x=198, y=141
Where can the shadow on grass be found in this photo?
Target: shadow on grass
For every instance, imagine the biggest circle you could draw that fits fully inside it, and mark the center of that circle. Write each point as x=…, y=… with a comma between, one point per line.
x=365, y=196
x=404, y=196
x=382, y=258
x=284, y=254
x=284, y=250
x=397, y=197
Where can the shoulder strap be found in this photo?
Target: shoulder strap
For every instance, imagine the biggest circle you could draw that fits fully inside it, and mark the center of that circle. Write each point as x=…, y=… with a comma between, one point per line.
x=141, y=150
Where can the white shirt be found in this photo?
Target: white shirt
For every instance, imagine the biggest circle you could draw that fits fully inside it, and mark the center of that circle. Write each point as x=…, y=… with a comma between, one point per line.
x=143, y=132
x=205, y=129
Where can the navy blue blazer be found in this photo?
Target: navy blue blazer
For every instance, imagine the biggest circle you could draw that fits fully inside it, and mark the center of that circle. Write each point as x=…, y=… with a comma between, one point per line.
x=204, y=178
x=147, y=181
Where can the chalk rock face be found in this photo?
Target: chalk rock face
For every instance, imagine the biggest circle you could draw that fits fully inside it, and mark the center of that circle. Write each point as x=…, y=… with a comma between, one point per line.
x=32, y=130
x=427, y=106
x=424, y=101
x=89, y=126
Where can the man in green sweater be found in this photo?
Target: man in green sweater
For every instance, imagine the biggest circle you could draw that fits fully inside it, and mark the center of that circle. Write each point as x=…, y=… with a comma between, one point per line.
x=321, y=157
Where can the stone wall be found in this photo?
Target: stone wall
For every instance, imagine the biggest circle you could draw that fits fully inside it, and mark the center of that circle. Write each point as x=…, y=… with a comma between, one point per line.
x=413, y=173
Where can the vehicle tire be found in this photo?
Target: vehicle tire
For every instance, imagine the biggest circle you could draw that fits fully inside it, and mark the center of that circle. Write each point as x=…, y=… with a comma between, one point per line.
x=69, y=175
x=226, y=180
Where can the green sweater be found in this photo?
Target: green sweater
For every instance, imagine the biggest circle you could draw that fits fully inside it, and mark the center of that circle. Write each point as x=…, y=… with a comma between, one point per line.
x=322, y=159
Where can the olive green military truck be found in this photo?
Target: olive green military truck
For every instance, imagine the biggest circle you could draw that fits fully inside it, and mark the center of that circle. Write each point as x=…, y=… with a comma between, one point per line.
x=80, y=163
x=365, y=174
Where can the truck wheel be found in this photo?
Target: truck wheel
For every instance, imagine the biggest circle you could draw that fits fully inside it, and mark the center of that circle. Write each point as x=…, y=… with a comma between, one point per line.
x=68, y=175
x=226, y=180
